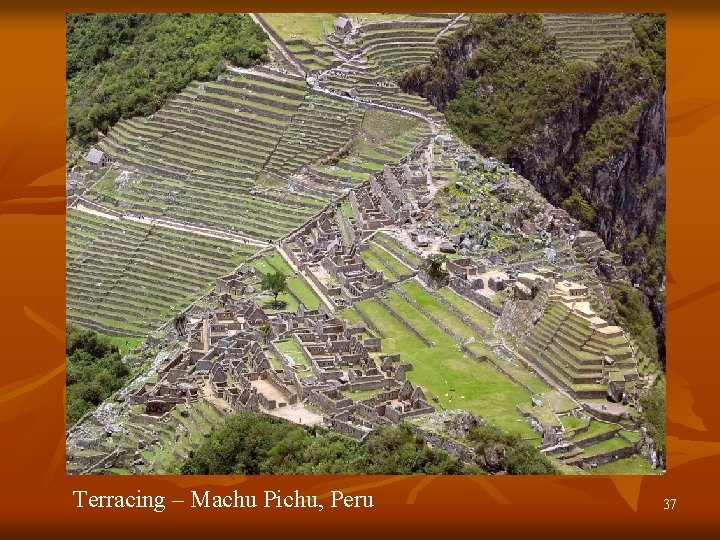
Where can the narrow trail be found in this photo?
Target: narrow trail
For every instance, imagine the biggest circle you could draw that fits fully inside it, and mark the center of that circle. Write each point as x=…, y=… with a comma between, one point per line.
x=83, y=206
x=278, y=44
x=448, y=27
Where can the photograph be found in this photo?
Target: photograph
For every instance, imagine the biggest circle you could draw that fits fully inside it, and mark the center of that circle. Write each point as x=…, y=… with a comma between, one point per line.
x=365, y=244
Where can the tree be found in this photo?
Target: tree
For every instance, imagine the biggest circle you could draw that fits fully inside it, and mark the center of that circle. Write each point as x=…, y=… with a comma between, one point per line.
x=266, y=331
x=276, y=283
x=434, y=267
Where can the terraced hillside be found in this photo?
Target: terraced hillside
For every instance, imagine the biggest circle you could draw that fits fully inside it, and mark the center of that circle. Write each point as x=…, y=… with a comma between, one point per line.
x=584, y=36
x=170, y=442
x=380, y=47
x=319, y=167
x=198, y=159
x=126, y=277
x=577, y=354
x=239, y=162
x=420, y=325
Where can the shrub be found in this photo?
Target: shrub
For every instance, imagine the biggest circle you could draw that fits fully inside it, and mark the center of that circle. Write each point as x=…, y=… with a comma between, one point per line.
x=653, y=404
x=94, y=370
x=637, y=318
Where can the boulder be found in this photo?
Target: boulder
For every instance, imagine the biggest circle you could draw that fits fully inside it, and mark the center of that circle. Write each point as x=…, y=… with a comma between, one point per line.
x=493, y=458
x=616, y=391
x=447, y=247
x=522, y=292
x=459, y=426
x=424, y=201
x=550, y=437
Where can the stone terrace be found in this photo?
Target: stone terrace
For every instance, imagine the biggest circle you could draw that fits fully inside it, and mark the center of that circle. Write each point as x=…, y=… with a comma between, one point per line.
x=110, y=261
x=584, y=36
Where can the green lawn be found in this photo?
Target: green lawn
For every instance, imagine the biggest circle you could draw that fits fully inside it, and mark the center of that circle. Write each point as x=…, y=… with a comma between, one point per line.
x=486, y=391
x=477, y=315
x=126, y=343
x=362, y=394
x=308, y=26
x=292, y=349
x=304, y=292
x=392, y=243
x=350, y=315
x=615, y=443
x=521, y=374
x=374, y=263
x=385, y=125
x=572, y=422
x=389, y=260
x=276, y=261
x=630, y=465
x=290, y=303
x=426, y=300
x=595, y=428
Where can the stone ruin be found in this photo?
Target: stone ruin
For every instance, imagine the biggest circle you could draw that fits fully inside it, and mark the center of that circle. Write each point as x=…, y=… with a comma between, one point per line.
x=227, y=358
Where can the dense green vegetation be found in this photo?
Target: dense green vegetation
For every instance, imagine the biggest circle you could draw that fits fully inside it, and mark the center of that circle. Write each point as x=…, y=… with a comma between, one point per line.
x=521, y=79
x=434, y=267
x=519, y=99
x=653, y=404
x=125, y=65
x=94, y=370
x=515, y=455
x=636, y=317
x=518, y=81
x=249, y=443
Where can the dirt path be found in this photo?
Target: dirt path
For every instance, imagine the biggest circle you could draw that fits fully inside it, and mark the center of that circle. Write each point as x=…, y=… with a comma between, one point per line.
x=449, y=25
x=175, y=225
x=278, y=44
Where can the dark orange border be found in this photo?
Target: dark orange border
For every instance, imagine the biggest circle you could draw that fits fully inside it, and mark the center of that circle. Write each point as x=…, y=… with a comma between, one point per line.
x=35, y=493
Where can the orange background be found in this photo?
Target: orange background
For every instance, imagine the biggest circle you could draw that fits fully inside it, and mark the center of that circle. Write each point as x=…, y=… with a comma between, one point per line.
x=35, y=493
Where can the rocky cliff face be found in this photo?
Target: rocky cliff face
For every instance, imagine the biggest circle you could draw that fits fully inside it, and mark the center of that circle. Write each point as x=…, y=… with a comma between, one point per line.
x=626, y=190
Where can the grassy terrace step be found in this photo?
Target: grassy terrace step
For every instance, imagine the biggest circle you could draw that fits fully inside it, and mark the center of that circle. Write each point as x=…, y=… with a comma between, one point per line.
x=146, y=280
x=374, y=263
x=213, y=127
x=486, y=391
x=586, y=35
x=389, y=260
x=609, y=445
x=635, y=465
x=596, y=429
x=398, y=249
x=303, y=292
x=531, y=352
x=426, y=300
x=290, y=348
x=477, y=315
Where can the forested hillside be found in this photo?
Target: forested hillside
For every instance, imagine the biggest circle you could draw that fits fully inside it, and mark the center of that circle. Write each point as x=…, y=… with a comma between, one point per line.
x=125, y=65
x=250, y=443
x=94, y=370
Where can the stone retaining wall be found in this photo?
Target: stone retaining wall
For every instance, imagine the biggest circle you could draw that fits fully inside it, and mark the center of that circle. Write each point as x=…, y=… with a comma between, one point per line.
x=463, y=288
x=405, y=323
x=454, y=448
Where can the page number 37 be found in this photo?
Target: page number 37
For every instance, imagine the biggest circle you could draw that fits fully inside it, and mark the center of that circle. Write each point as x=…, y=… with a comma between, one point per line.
x=669, y=504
